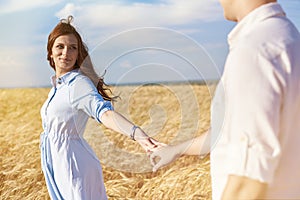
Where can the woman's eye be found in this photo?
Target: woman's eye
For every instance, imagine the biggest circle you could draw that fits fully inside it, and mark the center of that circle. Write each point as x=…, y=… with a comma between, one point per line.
x=60, y=46
x=73, y=47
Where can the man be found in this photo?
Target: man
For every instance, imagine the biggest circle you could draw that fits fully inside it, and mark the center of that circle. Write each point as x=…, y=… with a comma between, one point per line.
x=255, y=129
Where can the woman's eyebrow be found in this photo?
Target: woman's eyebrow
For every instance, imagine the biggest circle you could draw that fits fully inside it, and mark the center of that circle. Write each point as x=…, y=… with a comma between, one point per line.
x=71, y=44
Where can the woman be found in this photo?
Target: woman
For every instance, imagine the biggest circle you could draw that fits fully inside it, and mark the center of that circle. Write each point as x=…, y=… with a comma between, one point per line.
x=71, y=168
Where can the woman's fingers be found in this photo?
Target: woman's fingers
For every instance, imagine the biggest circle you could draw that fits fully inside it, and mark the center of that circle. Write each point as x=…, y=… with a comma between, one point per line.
x=157, y=143
x=150, y=144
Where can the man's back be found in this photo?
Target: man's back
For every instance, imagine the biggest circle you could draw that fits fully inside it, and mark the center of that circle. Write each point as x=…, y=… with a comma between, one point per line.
x=260, y=136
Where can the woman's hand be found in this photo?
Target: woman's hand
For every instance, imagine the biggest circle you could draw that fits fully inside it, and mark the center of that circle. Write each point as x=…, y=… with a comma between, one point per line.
x=149, y=144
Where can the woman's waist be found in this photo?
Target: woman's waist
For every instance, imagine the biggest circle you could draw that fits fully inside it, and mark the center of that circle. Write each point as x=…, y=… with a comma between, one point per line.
x=61, y=135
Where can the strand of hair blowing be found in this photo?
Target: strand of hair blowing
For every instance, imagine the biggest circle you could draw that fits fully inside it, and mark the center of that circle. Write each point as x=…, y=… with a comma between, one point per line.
x=87, y=69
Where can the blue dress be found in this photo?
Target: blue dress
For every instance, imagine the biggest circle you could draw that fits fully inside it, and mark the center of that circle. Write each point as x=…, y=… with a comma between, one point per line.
x=71, y=168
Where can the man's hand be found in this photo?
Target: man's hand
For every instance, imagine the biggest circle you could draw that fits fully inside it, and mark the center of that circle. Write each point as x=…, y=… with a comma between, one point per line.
x=163, y=156
x=167, y=154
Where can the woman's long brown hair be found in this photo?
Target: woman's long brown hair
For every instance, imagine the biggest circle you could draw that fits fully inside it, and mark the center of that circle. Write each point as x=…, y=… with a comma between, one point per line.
x=83, y=61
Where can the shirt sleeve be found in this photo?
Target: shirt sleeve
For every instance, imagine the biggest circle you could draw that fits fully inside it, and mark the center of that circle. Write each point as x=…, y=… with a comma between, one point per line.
x=253, y=102
x=84, y=96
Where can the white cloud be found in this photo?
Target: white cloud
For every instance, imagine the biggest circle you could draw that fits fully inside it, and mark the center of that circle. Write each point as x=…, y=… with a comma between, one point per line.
x=11, y=57
x=69, y=9
x=23, y=69
x=164, y=13
x=126, y=64
x=98, y=21
x=144, y=46
x=16, y=5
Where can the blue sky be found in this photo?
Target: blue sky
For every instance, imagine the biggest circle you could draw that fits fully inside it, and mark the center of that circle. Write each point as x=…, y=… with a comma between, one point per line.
x=135, y=41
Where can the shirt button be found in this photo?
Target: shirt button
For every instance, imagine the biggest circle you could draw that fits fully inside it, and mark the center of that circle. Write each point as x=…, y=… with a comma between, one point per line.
x=59, y=81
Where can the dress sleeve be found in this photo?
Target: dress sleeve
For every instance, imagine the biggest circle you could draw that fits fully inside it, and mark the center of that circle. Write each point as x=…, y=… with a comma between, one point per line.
x=84, y=96
x=254, y=90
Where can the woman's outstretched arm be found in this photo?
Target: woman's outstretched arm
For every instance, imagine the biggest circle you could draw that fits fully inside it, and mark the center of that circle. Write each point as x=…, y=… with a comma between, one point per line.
x=117, y=122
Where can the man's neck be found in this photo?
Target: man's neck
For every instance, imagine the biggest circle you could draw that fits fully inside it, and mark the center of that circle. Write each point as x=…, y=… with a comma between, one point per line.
x=249, y=6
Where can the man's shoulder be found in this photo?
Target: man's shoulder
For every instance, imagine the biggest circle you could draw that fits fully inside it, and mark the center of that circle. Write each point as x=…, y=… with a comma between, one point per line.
x=275, y=30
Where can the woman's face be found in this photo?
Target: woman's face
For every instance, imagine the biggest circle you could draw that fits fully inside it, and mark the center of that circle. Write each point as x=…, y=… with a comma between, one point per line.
x=64, y=53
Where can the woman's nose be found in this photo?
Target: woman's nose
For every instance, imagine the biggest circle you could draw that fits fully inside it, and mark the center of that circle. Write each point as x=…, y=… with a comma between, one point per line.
x=65, y=51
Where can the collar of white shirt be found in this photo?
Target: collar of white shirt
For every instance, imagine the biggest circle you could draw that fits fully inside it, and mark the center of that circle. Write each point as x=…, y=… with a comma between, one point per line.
x=64, y=79
x=257, y=15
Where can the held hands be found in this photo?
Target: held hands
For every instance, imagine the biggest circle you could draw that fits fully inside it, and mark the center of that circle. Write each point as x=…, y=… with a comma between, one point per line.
x=148, y=143
x=159, y=153
x=163, y=156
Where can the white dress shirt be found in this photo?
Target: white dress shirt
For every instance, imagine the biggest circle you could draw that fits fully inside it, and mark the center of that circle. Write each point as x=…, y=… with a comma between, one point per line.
x=256, y=108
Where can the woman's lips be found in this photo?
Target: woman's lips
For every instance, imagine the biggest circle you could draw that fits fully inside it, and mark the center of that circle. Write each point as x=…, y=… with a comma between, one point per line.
x=65, y=60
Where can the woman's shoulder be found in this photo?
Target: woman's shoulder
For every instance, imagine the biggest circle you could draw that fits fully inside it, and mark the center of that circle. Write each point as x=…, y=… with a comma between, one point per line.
x=81, y=81
x=77, y=76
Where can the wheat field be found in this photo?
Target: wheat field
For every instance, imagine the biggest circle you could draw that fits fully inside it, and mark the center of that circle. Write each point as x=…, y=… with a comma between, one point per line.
x=170, y=113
